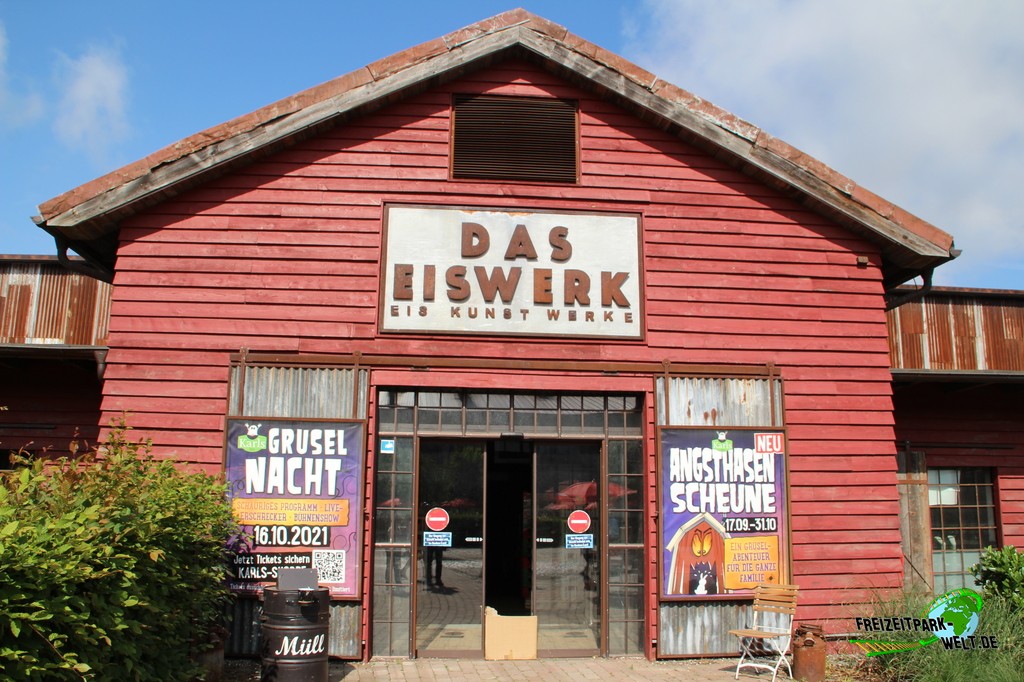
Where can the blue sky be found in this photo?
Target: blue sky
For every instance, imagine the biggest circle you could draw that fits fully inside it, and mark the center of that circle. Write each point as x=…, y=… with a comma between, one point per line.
x=920, y=101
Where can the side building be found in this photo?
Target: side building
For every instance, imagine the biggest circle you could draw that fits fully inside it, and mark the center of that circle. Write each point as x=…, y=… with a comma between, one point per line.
x=958, y=384
x=53, y=347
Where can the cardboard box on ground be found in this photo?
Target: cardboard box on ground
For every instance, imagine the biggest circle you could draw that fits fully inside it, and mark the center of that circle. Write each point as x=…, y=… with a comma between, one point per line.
x=509, y=637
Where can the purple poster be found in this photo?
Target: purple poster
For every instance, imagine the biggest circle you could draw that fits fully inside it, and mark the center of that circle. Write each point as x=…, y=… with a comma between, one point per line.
x=723, y=510
x=296, y=490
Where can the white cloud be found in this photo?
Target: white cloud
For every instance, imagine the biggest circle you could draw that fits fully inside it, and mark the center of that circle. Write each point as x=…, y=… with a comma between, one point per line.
x=91, y=115
x=920, y=101
x=16, y=109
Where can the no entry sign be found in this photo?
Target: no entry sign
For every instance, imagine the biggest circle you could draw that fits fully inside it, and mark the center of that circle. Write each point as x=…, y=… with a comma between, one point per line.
x=437, y=519
x=578, y=521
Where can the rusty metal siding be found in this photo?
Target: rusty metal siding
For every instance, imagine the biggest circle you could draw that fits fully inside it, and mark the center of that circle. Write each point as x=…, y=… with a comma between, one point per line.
x=41, y=303
x=939, y=335
x=906, y=327
x=958, y=331
x=346, y=626
x=708, y=401
x=299, y=392
x=701, y=628
x=964, y=331
x=1004, y=342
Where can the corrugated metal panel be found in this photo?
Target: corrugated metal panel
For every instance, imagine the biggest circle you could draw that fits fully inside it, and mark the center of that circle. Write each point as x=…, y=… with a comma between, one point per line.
x=1004, y=336
x=964, y=333
x=701, y=628
x=344, y=640
x=299, y=392
x=243, y=628
x=958, y=332
x=345, y=634
x=940, y=335
x=906, y=328
x=44, y=304
x=709, y=401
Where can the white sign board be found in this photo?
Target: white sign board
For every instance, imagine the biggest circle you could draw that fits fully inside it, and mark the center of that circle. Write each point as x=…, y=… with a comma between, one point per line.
x=466, y=271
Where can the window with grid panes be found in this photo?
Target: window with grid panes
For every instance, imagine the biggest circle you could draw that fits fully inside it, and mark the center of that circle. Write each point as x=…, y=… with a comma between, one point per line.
x=963, y=522
x=535, y=415
x=625, y=547
x=392, y=552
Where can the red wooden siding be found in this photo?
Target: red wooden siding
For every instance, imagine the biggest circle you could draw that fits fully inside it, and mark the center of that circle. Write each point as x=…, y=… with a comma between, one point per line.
x=284, y=257
x=970, y=425
x=44, y=402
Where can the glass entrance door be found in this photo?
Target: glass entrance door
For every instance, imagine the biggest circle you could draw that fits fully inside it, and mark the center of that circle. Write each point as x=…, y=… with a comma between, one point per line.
x=567, y=563
x=543, y=543
x=450, y=554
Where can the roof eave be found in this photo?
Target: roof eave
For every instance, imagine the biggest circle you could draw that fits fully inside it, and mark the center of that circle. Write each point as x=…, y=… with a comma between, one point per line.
x=906, y=252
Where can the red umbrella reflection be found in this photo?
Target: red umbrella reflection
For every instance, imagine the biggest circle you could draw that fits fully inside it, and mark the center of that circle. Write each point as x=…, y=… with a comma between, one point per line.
x=460, y=503
x=584, y=494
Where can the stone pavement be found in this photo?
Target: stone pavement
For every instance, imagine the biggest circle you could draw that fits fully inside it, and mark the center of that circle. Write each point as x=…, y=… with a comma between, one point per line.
x=548, y=670
x=839, y=668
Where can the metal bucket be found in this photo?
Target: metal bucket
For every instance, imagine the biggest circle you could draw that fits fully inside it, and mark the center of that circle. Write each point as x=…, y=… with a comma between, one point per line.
x=293, y=638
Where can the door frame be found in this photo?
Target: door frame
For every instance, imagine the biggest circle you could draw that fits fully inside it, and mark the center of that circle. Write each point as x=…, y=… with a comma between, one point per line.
x=602, y=548
x=602, y=545
x=417, y=528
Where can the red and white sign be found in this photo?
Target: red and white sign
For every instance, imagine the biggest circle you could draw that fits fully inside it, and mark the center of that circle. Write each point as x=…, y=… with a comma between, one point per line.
x=578, y=521
x=437, y=519
x=769, y=443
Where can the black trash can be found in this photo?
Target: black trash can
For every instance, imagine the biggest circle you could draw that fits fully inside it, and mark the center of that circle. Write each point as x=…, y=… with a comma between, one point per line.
x=293, y=640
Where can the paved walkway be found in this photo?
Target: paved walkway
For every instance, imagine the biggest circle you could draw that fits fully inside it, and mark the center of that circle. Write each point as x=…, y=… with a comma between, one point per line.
x=548, y=670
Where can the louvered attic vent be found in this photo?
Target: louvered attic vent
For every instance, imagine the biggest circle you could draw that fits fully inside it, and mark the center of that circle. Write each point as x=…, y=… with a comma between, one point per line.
x=514, y=138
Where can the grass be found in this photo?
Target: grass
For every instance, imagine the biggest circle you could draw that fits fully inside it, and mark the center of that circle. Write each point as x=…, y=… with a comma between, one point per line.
x=933, y=663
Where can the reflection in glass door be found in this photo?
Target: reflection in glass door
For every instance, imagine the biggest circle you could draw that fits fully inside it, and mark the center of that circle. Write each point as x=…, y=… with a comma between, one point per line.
x=544, y=497
x=567, y=563
x=449, y=555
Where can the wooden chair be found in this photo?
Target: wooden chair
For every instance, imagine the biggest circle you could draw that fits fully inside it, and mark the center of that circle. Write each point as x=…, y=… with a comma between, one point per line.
x=771, y=631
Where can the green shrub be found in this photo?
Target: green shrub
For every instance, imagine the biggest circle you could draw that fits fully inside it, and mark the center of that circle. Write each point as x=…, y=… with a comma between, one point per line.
x=113, y=563
x=1000, y=572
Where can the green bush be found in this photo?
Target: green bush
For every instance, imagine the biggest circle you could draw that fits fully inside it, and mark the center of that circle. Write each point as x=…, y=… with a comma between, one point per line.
x=1001, y=573
x=114, y=566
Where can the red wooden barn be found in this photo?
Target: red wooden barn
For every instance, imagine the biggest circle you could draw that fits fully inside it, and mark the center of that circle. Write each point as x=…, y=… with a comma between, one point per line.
x=510, y=276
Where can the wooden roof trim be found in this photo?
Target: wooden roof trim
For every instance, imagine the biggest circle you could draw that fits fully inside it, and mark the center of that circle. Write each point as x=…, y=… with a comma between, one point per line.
x=178, y=167
x=425, y=362
x=80, y=212
x=754, y=147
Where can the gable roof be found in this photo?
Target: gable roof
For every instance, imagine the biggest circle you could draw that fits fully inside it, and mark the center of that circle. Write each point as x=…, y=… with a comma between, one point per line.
x=87, y=218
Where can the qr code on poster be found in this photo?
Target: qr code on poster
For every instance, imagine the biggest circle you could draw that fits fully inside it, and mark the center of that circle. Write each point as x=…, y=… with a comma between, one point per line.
x=331, y=565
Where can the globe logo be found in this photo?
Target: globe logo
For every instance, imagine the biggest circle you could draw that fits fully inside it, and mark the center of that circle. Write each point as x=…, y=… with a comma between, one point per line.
x=959, y=611
x=952, y=619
